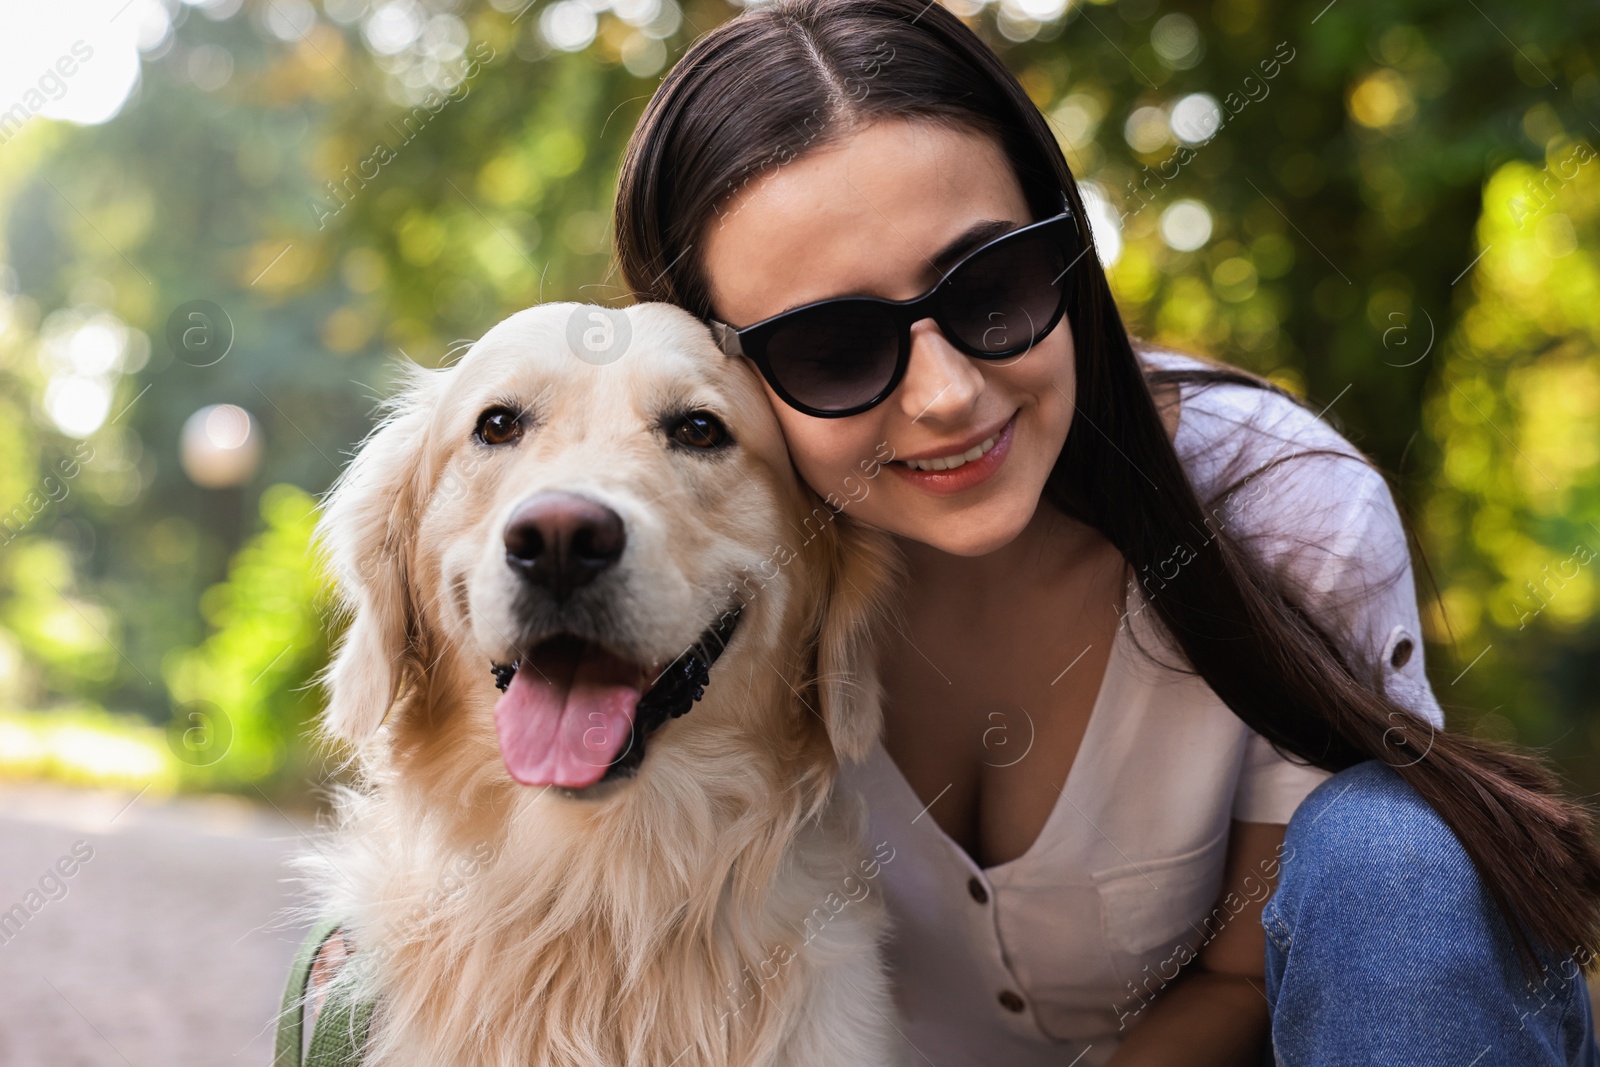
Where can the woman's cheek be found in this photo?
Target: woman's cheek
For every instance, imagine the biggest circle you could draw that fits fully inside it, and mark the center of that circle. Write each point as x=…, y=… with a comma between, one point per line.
x=1059, y=366
x=832, y=455
x=1048, y=365
x=832, y=472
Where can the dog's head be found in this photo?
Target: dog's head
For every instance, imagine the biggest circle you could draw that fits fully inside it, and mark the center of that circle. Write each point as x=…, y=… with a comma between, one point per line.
x=571, y=524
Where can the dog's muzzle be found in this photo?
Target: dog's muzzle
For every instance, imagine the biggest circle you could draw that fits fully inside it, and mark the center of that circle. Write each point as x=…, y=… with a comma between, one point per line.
x=673, y=693
x=575, y=712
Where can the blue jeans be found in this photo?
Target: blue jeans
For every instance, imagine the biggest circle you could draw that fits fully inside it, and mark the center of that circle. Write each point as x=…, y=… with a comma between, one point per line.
x=1383, y=947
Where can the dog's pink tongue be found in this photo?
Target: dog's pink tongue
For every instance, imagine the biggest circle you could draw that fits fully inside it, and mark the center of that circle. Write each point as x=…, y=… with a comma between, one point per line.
x=567, y=714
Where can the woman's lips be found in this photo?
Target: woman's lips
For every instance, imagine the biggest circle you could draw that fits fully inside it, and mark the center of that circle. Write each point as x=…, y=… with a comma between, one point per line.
x=973, y=472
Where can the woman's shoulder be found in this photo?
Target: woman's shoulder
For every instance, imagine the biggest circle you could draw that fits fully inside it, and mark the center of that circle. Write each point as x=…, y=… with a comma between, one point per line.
x=1232, y=423
x=1289, y=488
x=1285, y=484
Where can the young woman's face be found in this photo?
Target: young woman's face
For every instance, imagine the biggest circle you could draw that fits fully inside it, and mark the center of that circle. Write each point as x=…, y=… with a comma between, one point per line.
x=884, y=212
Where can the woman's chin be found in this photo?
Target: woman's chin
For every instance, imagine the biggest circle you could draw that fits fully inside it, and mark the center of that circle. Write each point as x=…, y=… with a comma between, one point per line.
x=983, y=537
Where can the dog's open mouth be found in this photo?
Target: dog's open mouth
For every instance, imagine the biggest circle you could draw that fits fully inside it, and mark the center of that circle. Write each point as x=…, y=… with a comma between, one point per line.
x=567, y=712
x=574, y=713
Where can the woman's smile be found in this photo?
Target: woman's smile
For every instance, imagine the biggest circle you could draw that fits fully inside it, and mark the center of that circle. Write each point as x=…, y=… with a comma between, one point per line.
x=959, y=470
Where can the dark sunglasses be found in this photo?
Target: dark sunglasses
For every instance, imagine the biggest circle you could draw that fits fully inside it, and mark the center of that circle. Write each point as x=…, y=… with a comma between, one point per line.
x=846, y=354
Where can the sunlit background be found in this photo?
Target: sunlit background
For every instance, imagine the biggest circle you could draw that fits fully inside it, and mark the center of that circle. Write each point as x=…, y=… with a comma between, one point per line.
x=221, y=223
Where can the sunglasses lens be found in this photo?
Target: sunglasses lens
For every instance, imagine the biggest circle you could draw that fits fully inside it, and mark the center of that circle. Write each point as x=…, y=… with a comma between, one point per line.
x=836, y=357
x=1003, y=300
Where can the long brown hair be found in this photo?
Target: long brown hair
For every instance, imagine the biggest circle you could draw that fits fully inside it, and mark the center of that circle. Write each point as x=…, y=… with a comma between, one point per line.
x=784, y=78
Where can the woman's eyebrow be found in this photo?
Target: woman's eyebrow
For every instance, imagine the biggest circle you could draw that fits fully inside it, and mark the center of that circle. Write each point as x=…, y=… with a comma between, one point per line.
x=979, y=232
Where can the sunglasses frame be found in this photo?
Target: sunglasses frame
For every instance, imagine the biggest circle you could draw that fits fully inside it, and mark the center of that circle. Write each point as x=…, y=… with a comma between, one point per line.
x=751, y=341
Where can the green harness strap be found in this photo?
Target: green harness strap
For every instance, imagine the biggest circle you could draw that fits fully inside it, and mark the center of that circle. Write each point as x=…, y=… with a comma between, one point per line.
x=340, y=1031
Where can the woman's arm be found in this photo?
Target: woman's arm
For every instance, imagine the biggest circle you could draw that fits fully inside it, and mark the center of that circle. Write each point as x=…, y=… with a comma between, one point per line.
x=1215, y=1013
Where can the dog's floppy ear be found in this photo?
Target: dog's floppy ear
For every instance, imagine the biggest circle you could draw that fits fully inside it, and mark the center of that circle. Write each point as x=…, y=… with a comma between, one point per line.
x=365, y=536
x=865, y=566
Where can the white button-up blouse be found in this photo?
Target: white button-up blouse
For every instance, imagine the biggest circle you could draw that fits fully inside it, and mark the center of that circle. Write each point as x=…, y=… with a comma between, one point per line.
x=1048, y=960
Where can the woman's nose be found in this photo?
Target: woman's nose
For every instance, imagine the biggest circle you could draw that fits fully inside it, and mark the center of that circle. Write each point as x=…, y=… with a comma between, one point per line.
x=941, y=383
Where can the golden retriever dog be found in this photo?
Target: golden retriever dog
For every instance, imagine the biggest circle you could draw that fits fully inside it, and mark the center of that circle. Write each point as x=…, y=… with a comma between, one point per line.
x=604, y=656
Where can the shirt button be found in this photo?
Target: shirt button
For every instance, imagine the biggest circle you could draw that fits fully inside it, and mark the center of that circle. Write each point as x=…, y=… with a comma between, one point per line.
x=1010, y=1001
x=975, y=887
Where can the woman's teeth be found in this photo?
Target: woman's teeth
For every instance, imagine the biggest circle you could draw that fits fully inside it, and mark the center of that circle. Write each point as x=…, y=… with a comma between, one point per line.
x=950, y=463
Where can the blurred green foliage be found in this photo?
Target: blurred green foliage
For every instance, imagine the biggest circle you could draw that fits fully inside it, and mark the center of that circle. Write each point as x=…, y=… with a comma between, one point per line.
x=1399, y=227
x=266, y=639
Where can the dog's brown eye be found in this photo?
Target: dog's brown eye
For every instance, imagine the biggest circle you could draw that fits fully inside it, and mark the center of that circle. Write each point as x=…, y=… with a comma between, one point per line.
x=499, y=426
x=699, y=429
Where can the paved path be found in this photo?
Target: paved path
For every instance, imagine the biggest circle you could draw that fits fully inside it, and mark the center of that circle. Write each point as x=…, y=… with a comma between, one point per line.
x=165, y=949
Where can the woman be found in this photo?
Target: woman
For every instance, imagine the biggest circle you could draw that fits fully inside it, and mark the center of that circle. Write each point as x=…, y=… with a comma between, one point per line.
x=1089, y=799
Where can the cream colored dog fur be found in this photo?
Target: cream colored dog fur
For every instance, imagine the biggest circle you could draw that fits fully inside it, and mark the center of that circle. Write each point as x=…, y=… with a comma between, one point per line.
x=715, y=910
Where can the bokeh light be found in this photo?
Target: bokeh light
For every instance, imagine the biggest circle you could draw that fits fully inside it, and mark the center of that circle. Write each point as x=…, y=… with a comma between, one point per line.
x=220, y=446
x=1186, y=225
x=1105, y=222
x=1196, y=118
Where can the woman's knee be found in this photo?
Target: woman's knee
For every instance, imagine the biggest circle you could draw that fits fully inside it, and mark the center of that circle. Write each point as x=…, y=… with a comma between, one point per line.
x=1376, y=895
x=1365, y=844
x=1366, y=821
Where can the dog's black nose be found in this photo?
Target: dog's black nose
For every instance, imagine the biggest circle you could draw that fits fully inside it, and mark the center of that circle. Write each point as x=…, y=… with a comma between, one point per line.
x=562, y=541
